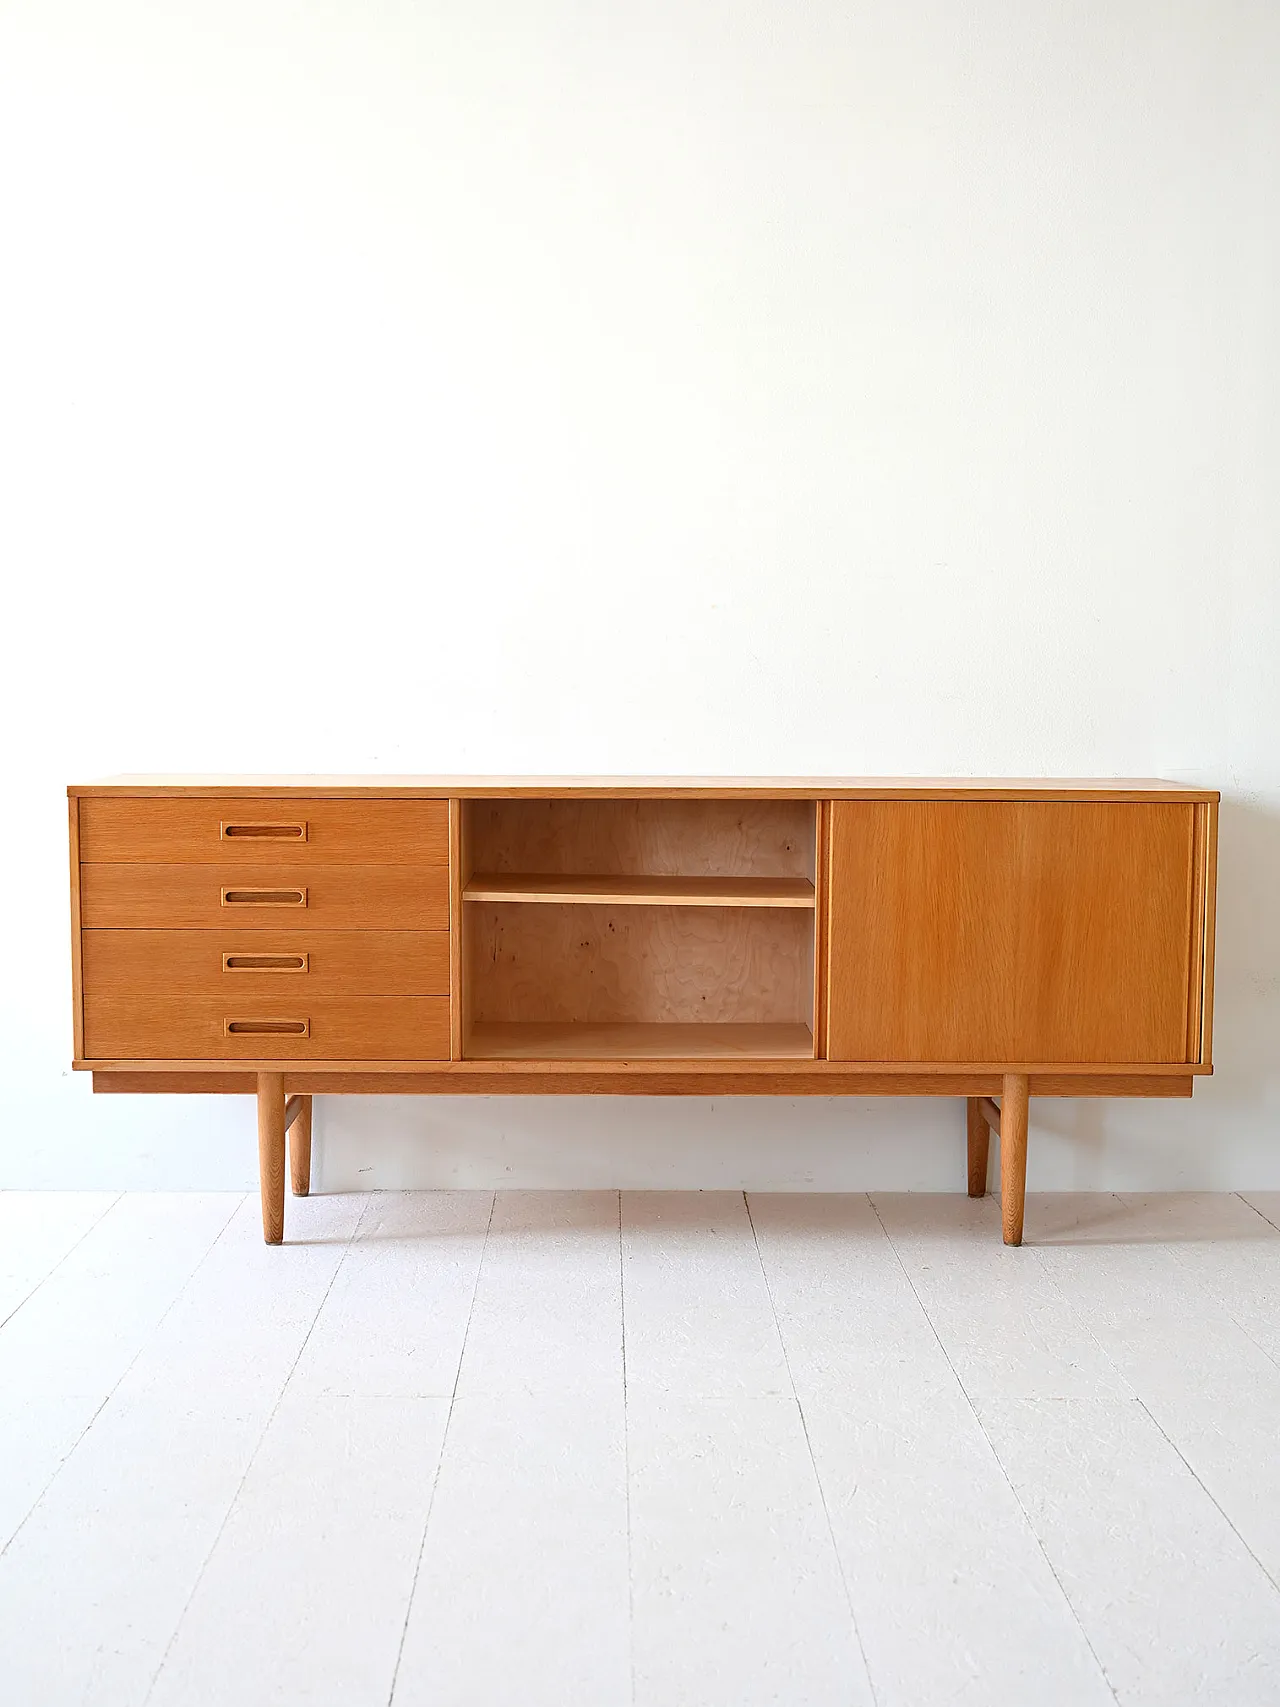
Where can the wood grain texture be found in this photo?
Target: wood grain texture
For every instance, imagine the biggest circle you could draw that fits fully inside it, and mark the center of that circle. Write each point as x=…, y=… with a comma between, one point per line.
x=77, y=968
x=1019, y=927
x=641, y=964
x=186, y=831
x=821, y=879
x=1023, y=933
x=1196, y=968
x=466, y=865
x=300, y=1150
x=395, y=787
x=973, y=1078
x=1013, y=1155
x=644, y=838
x=191, y=963
x=193, y=1028
x=642, y=891
x=670, y=1042
x=990, y=1112
x=339, y=897
x=271, y=1155
x=611, y=1078
x=1205, y=1056
x=979, y=1141
x=457, y=881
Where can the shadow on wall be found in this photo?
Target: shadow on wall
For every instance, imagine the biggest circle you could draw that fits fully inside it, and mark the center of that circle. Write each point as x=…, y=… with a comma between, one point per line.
x=639, y=1143
x=1164, y=1145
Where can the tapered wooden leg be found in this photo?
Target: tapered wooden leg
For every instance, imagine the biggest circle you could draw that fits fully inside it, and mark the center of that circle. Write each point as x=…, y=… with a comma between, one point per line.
x=1013, y=1155
x=979, y=1141
x=271, y=1155
x=300, y=1148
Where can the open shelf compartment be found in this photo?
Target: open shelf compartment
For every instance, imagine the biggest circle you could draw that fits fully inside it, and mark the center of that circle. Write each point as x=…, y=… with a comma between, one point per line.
x=638, y=929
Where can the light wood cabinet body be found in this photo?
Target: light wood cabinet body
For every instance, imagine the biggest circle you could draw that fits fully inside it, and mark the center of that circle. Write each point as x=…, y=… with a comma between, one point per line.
x=975, y=939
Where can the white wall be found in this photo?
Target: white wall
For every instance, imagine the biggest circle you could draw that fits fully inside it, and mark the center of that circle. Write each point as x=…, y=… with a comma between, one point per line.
x=678, y=385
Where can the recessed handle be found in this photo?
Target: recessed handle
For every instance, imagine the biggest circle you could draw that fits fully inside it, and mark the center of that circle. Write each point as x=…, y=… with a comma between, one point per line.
x=264, y=897
x=267, y=1027
x=263, y=832
x=265, y=962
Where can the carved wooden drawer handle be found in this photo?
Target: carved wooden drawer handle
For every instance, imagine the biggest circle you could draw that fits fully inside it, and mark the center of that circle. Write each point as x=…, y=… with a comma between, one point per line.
x=267, y=1027
x=265, y=962
x=264, y=897
x=263, y=832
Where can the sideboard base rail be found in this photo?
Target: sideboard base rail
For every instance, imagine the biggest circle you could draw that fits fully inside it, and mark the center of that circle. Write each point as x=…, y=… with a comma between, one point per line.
x=674, y=1081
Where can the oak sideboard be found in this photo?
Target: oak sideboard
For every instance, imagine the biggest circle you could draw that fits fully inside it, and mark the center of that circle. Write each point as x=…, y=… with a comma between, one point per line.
x=287, y=937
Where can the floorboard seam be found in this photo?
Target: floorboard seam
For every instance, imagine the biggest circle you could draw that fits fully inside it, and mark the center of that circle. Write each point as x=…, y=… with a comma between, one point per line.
x=1220, y=1303
x=817, y=1475
x=1191, y=1471
x=444, y=1442
x=1205, y=1289
x=1031, y=1529
x=1257, y=1211
x=626, y=1458
x=117, y=1383
x=45, y=1278
x=253, y=1456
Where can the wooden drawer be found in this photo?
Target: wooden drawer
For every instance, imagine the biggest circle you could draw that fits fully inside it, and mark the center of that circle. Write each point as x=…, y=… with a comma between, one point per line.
x=120, y=1027
x=282, y=966
x=231, y=831
x=257, y=897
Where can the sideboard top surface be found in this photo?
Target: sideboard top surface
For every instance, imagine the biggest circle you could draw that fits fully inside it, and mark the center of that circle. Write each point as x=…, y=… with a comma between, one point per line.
x=658, y=787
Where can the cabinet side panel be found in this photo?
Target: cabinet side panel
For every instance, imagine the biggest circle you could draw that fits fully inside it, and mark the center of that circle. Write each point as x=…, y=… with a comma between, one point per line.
x=77, y=969
x=1210, y=928
x=988, y=931
x=822, y=928
x=456, y=881
x=1195, y=977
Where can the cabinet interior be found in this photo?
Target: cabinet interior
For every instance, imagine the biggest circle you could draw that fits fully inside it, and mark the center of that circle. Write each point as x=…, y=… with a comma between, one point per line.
x=638, y=928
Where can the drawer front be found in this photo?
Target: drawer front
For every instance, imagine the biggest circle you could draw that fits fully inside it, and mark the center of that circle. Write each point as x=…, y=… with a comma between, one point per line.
x=282, y=966
x=264, y=897
x=230, y=832
x=288, y=1027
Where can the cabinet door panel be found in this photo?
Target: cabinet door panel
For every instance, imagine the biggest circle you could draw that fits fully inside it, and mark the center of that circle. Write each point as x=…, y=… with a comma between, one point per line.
x=1009, y=931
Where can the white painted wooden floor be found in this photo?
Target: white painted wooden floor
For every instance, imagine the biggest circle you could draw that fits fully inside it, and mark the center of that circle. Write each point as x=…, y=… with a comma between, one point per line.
x=555, y=1448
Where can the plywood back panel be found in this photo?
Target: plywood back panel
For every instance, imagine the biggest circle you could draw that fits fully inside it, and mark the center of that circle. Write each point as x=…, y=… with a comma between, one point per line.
x=651, y=964
x=660, y=838
x=1010, y=931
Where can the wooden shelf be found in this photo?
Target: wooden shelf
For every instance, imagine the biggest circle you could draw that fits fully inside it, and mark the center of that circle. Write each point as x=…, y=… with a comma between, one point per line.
x=566, y=1041
x=643, y=891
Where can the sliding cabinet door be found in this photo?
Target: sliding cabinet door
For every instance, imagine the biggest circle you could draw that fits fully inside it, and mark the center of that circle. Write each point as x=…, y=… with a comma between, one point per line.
x=1012, y=931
